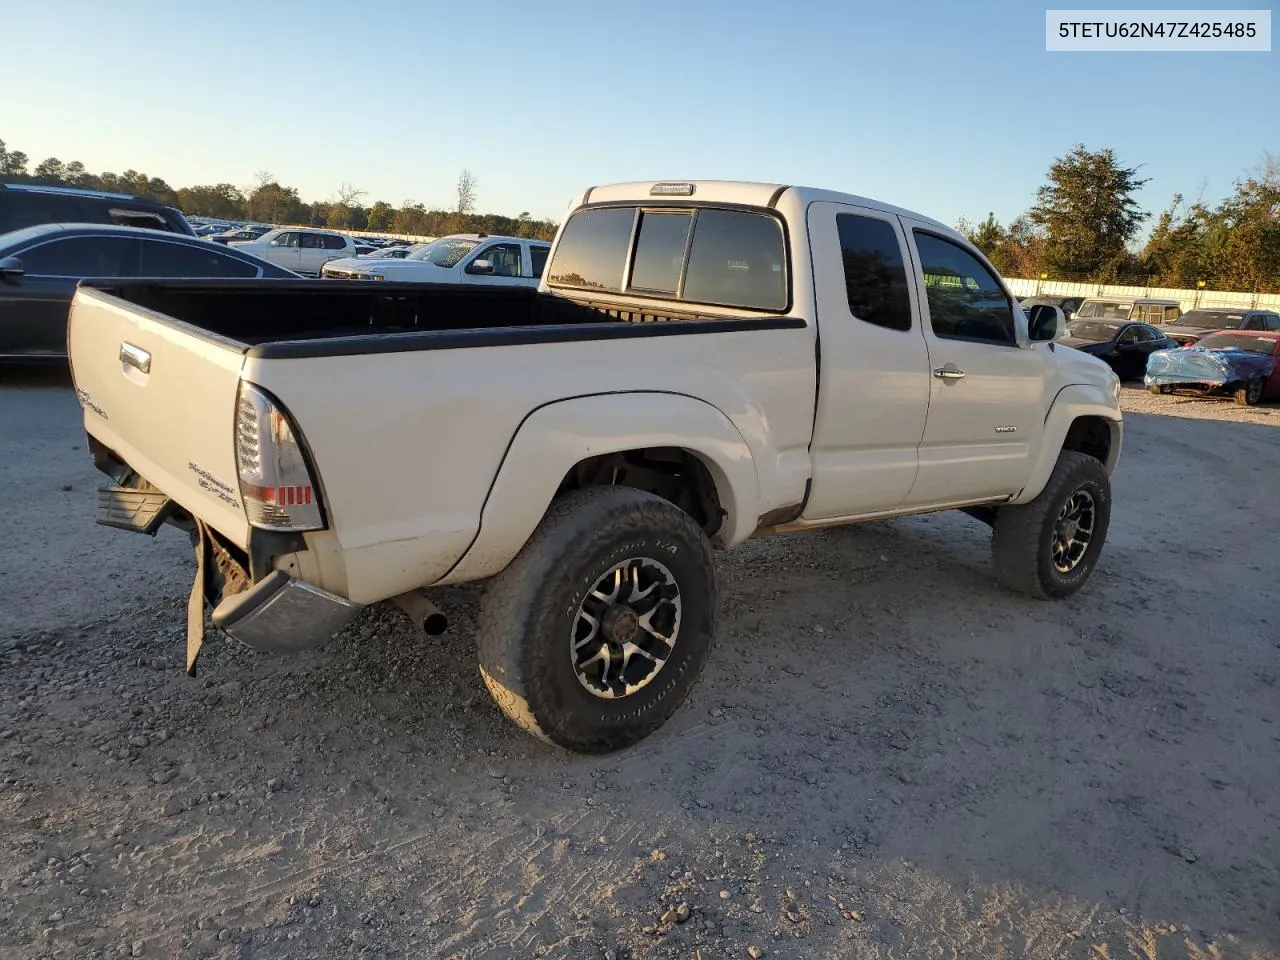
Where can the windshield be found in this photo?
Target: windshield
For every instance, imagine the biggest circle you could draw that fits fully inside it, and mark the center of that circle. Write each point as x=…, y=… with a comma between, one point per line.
x=1098, y=331
x=1213, y=319
x=444, y=252
x=1238, y=341
x=1105, y=309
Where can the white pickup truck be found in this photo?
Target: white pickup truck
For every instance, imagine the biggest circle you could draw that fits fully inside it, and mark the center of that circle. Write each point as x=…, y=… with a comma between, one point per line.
x=702, y=363
x=462, y=258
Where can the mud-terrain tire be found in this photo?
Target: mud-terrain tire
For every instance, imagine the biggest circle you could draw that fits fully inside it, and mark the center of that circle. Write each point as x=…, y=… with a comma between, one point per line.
x=540, y=657
x=1037, y=546
x=1250, y=392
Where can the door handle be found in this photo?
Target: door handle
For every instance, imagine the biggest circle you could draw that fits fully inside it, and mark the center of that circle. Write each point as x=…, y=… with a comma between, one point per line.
x=135, y=357
x=948, y=373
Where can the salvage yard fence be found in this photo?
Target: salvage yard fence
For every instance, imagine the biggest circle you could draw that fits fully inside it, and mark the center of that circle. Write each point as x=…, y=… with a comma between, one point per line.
x=1188, y=299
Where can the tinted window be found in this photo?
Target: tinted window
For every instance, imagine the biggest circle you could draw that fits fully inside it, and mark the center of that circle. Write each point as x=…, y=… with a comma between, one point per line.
x=138, y=218
x=313, y=241
x=538, y=257
x=83, y=257
x=874, y=276
x=504, y=257
x=965, y=301
x=659, y=256
x=736, y=260
x=334, y=242
x=161, y=259
x=593, y=249
x=1271, y=321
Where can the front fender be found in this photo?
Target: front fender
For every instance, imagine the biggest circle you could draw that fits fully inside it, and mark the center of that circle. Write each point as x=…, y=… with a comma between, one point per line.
x=555, y=437
x=1072, y=402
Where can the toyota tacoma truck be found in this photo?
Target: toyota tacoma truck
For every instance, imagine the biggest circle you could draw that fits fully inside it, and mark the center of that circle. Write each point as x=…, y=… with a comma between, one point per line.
x=701, y=363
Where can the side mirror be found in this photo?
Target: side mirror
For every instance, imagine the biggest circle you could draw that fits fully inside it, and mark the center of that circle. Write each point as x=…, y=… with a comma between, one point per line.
x=481, y=266
x=12, y=270
x=1045, y=323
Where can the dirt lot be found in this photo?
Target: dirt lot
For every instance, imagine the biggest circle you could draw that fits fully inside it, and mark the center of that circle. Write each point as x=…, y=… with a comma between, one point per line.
x=888, y=755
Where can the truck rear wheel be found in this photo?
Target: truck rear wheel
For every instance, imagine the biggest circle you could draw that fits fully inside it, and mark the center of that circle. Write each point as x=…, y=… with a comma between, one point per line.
x=594, y=634
x=1047, y=548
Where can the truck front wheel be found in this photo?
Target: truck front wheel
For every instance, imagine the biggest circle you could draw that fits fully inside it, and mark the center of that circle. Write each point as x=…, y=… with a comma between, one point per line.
x=1047, y=548
x=593, y=635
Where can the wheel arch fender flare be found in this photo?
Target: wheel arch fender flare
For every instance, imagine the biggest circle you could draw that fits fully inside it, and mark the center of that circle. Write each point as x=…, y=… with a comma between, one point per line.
x=1072, y=402
x=556, y=436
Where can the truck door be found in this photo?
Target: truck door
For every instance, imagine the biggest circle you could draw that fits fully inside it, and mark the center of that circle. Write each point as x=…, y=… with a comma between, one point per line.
x=873, y=392
x=987, y=400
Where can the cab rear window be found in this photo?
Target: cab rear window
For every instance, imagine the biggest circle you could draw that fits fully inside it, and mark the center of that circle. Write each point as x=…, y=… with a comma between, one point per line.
x=733, y=258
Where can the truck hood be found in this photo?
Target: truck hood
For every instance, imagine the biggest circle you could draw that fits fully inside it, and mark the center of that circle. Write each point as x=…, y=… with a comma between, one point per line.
x=1083, y=367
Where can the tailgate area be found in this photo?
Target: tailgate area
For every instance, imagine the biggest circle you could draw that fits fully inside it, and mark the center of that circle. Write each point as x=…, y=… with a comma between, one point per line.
x=161, y=395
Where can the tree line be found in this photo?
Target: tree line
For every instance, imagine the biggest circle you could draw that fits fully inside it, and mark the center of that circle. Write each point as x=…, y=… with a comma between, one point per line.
x=269, y=201
x=1086, y=216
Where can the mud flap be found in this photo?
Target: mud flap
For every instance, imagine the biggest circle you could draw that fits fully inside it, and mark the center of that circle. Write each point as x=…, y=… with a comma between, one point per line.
x=195, y=602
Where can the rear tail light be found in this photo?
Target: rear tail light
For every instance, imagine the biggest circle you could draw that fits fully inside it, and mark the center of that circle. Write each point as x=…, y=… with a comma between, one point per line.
x=275, y=480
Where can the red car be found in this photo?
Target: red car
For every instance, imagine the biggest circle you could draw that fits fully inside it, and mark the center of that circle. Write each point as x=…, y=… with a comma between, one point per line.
x=1265, y=343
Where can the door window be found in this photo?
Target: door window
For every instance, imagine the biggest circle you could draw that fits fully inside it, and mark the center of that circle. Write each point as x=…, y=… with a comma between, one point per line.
x=334, y=242
x=82, y=257
x=504, y=258
x=313, y=241
x=286, y=240
x=966, y=302
x=1171, y=314
x=874, y=276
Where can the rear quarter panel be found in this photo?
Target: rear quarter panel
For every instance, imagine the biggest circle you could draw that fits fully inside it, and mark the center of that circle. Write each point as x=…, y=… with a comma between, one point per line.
x=407, y=445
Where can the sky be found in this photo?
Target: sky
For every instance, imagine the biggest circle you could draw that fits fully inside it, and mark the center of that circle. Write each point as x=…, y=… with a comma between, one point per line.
x=950, y=109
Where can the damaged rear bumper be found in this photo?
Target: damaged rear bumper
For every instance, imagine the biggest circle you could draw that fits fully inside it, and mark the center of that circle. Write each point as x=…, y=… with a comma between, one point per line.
x=282, y=614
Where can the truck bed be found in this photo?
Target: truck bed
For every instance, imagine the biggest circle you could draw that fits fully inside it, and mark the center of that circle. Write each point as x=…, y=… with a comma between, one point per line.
x=304, y=318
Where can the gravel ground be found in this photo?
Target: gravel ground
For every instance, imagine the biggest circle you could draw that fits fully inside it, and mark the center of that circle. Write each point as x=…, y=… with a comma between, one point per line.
x=887, y=756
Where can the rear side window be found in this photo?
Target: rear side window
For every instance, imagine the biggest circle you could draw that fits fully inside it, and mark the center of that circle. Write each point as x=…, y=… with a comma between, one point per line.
x=334, y=242
x=660, y=247
x=965, y=300
x=1171, y=314
x=737, y=260
x=874, y=275
x=538, y=258
x=161, y=259
x=593, y=249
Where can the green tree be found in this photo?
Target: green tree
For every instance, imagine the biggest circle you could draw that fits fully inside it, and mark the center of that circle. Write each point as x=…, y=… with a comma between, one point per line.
x=13, y=163
x=1175, y=252
x=1245, y=240
x=51, y=170
x=221, y=200
x=272, y=203
x=986, y=236
x=1088, y=213
x=380, y=216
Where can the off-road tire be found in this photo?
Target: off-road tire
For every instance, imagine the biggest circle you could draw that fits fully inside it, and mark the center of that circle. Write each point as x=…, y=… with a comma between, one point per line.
x=528, y=612
x=1023, y=535
x=1250, y=392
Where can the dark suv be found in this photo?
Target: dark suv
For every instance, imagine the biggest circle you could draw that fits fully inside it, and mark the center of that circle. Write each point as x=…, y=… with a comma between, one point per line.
x=29, y=205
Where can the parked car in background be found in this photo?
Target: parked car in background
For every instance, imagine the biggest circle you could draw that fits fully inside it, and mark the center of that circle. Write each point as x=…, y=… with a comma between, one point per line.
x=460, y=258
x=299, y=249
x=40, y=267
x=1194, y=324
x=243, y=233
x=365, y=249
x=30, y=205
x=1122, y=345
x=1234, y=364
x=391, y=253
x=1142, y=309
x=1068, y=305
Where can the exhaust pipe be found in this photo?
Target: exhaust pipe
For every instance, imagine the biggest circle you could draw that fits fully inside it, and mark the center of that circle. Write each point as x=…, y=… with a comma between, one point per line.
x=426, y=616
